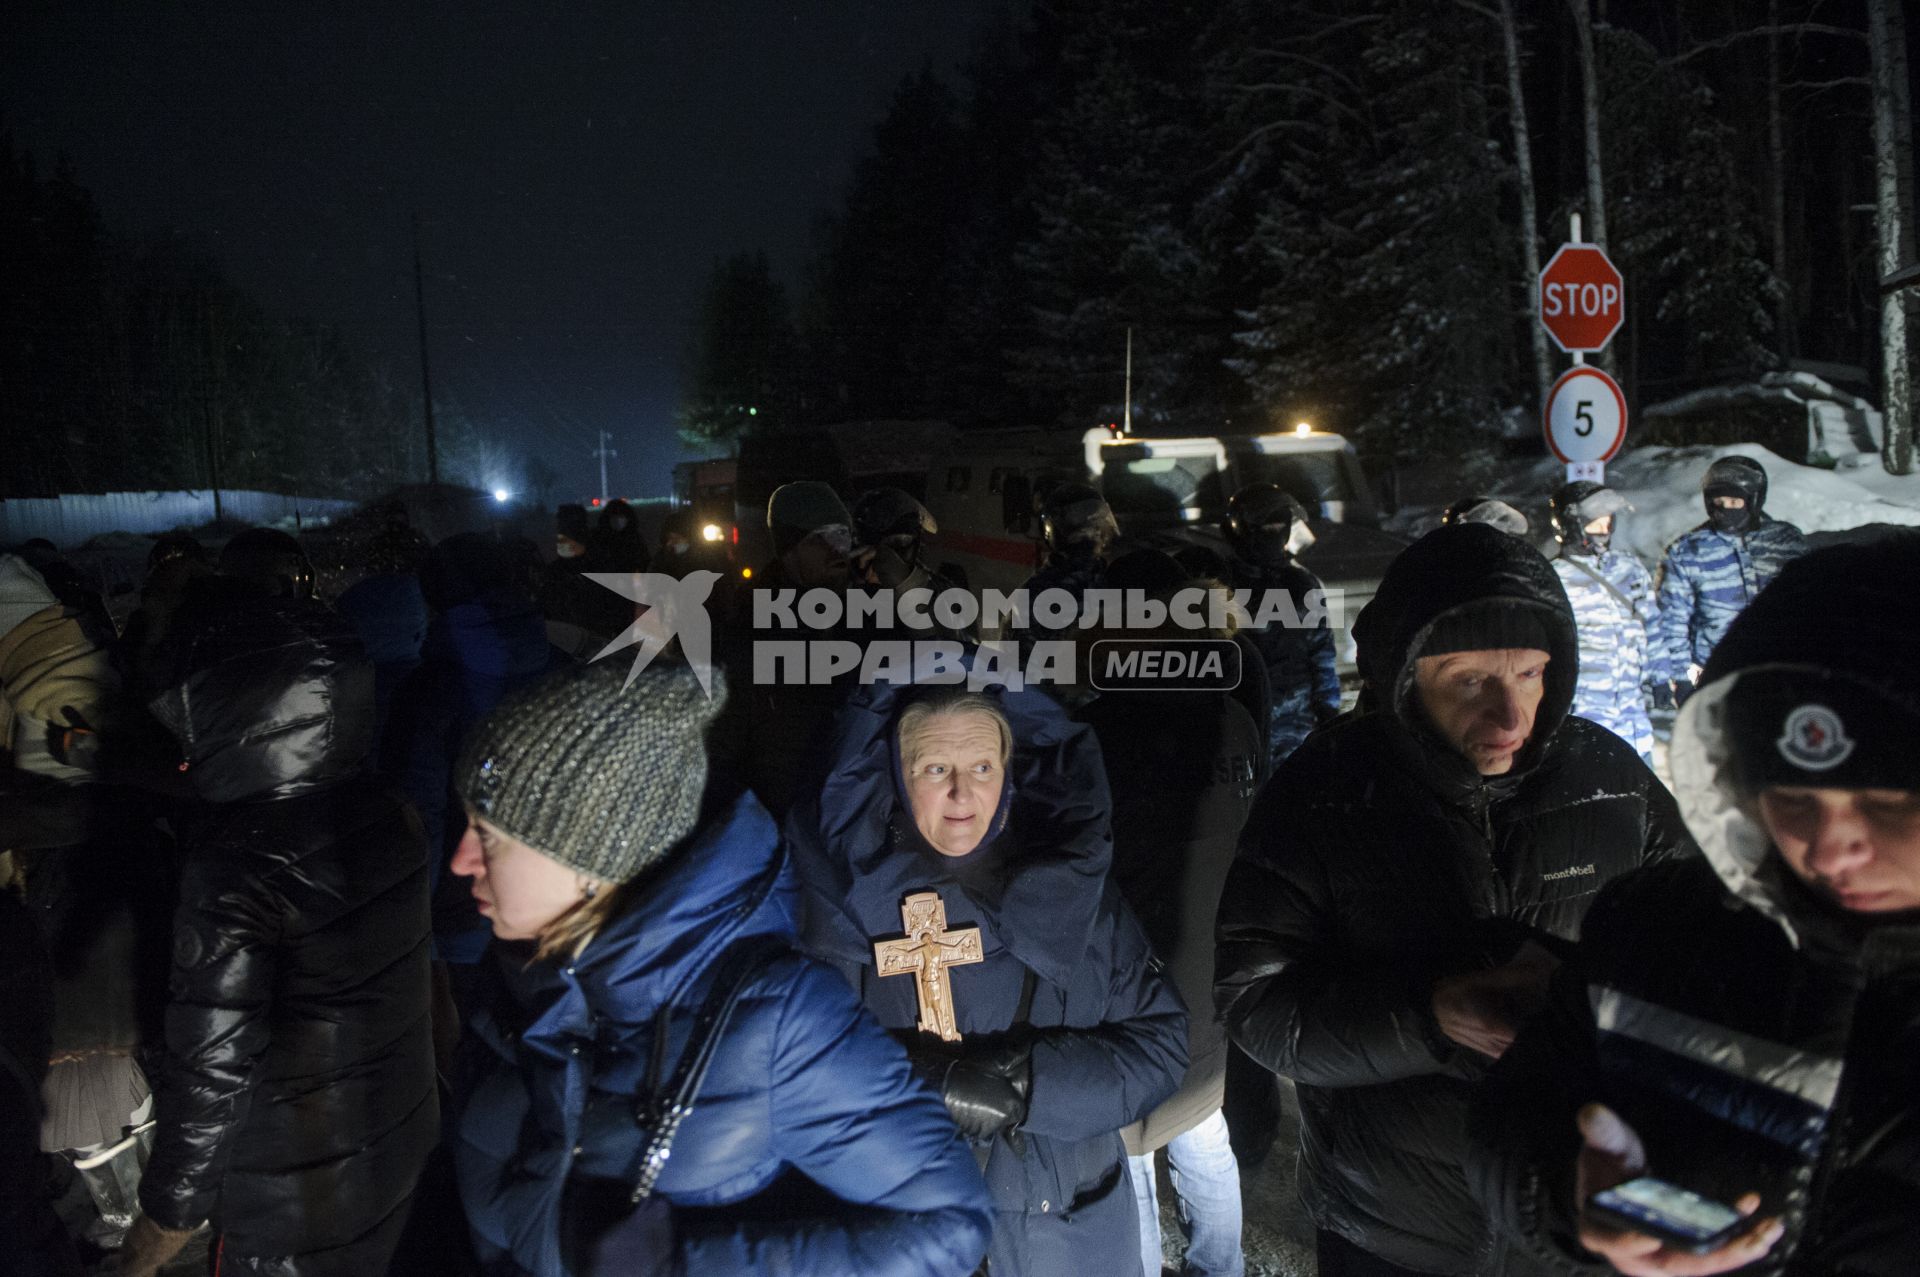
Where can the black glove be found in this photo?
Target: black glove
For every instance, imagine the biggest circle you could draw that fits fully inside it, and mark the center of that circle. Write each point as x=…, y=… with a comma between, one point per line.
x=1663, y=695
x=986, y=1090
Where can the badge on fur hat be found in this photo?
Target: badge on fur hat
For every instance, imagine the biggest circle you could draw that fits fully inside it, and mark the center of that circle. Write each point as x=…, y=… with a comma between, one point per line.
x=1814, y=739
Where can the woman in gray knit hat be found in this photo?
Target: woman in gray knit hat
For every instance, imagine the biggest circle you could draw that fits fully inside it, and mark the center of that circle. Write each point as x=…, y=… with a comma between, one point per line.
x=644, y=895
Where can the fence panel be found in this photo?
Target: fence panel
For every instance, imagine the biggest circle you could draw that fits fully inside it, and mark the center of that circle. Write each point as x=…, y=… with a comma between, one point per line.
x=69, y=520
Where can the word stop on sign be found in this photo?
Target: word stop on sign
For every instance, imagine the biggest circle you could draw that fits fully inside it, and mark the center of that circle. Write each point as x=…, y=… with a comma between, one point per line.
x=1581, y=301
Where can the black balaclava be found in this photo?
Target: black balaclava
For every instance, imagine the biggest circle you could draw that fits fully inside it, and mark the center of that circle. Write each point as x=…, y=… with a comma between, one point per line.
x=1740, y=477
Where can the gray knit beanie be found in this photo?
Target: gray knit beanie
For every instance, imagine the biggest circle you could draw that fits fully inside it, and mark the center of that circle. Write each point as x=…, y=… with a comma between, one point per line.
x=601, y=778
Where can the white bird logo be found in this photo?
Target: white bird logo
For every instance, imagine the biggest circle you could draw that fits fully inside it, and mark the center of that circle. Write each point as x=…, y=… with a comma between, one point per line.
x=670, y=607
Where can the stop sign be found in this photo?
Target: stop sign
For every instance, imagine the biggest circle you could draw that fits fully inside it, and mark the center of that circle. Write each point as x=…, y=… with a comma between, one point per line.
x=1582, y=298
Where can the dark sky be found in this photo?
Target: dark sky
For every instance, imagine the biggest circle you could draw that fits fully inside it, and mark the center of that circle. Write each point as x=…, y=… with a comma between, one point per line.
x=577, y=168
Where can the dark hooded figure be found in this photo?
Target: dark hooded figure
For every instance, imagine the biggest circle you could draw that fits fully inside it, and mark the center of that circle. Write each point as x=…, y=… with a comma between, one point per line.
x=773, y=733
x=486, y=639
x=1749, y=1022
x=617, y=544
x=1406, y=879
x=975, y=827
x=1295, y=641
x=298, y=1102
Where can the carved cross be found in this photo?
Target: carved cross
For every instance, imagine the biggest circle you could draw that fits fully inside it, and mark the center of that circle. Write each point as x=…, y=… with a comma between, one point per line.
x=927, y=950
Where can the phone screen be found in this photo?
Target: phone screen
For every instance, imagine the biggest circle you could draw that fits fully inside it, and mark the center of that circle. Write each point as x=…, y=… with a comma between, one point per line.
x=1669, y=1207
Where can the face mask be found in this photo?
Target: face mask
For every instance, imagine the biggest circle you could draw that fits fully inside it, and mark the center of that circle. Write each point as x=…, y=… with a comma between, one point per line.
x=1732, y=522
x=680, y=547
x=566, y=550
x=1267, y=547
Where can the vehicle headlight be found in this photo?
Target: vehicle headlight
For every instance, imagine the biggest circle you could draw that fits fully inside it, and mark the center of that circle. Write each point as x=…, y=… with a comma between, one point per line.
x=712, y=532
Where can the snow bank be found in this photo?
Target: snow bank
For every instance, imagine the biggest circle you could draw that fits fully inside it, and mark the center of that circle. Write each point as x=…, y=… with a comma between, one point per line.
x=1664, y=486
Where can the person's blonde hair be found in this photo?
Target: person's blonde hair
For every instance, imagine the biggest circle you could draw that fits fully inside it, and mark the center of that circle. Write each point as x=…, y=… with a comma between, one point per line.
x=575, y=929
x=915, y=718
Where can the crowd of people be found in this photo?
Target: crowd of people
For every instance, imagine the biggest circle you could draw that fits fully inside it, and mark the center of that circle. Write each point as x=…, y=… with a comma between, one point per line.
x=390, y=932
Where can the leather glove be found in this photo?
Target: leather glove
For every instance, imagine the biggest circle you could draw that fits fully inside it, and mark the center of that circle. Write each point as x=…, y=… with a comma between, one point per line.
x=1662, y=695
x=986, y=1091
x=147, y=1248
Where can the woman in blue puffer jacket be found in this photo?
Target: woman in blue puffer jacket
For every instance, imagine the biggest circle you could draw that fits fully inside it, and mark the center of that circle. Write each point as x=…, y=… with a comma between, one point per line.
x=810, y=1148
x=973, y=831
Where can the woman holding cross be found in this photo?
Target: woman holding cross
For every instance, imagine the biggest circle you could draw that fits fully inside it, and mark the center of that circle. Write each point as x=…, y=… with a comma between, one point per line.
x=955, y=871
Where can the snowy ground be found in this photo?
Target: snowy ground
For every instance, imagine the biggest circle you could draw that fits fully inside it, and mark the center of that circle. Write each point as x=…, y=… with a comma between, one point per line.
x=1664, y=486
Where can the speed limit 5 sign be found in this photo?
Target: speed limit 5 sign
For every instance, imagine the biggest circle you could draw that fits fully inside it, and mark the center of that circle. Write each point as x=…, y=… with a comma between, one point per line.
x=1586, y=416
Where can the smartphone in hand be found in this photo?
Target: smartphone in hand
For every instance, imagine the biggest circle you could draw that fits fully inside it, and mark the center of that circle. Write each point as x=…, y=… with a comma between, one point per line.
x=1680, y=1217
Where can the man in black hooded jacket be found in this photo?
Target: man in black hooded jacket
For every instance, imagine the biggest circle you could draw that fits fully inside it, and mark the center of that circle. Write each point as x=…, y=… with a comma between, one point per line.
x=1405, y=881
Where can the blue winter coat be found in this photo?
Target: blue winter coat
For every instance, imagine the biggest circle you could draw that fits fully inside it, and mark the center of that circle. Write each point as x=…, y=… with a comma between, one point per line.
x=475, y=653
x=1709, y=577
x=1617, y=619
x=802, y=1081
x=1110, y=1034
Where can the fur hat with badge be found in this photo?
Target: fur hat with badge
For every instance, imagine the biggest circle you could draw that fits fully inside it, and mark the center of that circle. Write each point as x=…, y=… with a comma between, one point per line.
x=599, y=773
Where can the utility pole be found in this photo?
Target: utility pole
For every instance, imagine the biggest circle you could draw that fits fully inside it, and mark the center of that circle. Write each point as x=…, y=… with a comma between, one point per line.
x=426, y=372
x=1126, y=410
x=603, y=452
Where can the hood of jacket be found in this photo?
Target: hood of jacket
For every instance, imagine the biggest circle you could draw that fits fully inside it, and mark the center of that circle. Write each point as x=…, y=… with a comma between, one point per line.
x=268, y=697
x=1038, y=878
x=1837, y=626
x=728, y=881
x=1447, y=571
x=390, y=614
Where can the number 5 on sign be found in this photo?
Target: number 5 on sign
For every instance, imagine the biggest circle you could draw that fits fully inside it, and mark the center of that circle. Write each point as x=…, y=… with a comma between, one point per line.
x=1586, y=417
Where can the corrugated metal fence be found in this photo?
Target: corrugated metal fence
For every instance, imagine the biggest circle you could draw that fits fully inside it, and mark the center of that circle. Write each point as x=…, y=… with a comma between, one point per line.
x=69, y=520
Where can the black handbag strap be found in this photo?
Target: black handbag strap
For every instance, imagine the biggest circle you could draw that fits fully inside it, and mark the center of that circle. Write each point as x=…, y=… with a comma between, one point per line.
x=660, y=1109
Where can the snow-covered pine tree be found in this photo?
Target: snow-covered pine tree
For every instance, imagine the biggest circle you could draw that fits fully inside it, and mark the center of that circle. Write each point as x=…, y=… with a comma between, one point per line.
x=1120, y=161
x=1385, y=312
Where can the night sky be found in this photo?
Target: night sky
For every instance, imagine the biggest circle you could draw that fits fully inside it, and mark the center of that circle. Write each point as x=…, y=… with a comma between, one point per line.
x=577, y=168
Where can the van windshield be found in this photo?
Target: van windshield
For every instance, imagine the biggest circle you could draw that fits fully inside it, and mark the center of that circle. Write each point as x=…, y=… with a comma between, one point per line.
x=1316, y=480
x=1161, y=491
x=1162, y=487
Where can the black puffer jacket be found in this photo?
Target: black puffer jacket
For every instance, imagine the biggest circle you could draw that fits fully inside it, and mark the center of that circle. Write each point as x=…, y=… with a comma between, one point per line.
x=298, y=1104
x=1376, y=862
x=1756, y=1036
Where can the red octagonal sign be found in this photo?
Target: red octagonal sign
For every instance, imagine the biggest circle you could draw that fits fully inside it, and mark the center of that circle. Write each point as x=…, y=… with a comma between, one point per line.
x=1582, y=298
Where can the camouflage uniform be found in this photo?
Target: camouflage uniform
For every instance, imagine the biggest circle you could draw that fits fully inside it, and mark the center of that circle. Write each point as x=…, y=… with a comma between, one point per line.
x=1301, y=666
x=1618, y=620
x=1708, y=577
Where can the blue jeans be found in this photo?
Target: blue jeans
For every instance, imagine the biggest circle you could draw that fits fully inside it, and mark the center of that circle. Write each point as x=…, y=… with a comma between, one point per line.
x=1206, y=1182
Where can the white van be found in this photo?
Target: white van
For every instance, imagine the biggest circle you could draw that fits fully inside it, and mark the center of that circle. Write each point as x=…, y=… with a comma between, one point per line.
x=985, y=490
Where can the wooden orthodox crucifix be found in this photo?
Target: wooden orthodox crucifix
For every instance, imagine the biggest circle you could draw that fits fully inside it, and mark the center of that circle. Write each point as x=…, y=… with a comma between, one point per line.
x=926, y=951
